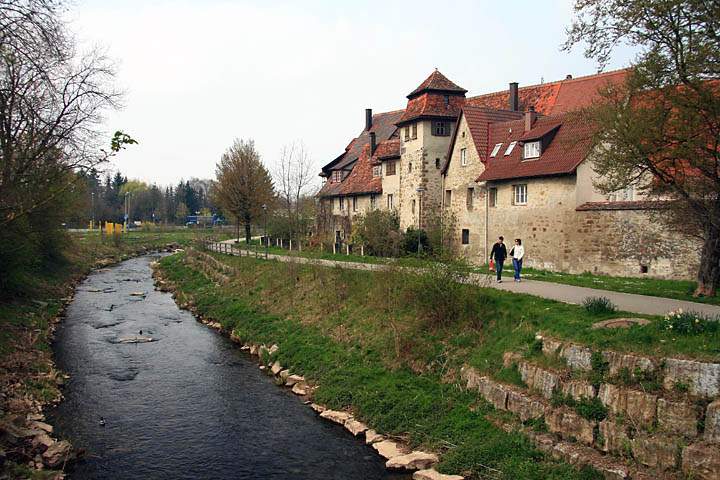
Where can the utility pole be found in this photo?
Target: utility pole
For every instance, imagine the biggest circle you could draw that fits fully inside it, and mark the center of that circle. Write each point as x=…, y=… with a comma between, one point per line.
x=127, y=210
x=267, y=240
x=92, y=196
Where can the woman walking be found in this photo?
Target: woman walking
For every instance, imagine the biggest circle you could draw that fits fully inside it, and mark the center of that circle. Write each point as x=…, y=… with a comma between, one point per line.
x=517, y=253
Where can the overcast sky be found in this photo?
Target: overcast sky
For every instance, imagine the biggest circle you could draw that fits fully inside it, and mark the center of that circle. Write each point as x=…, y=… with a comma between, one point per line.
x=200, y=73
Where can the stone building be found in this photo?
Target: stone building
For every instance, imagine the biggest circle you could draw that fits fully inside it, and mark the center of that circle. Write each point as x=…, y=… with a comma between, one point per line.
x=516, y=163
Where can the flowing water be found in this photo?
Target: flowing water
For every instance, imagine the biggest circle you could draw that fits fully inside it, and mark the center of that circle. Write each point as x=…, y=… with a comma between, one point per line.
x=186, y=405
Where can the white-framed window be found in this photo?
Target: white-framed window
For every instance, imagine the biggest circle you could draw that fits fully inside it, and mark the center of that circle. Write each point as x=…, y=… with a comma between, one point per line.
x=510, y=148
x=492, y=192
x=390, y=168
x=390, y=201
x=495, y=150
x=463, y=156
x=531, y=149
x=336, y=176
x=441, y=129
x=520, y=194
x=377, y=170
x=407, y=132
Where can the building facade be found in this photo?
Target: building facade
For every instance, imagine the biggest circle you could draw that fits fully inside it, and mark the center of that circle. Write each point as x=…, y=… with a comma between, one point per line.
x=516, y=163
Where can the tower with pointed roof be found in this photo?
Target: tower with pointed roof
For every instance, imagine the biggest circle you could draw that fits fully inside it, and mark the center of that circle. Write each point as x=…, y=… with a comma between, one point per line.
x=426, y=128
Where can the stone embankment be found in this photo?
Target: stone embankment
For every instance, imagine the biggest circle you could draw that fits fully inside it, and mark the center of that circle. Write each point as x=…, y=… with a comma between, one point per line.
x=629, y=416
x=25, y=437
x=397, y=455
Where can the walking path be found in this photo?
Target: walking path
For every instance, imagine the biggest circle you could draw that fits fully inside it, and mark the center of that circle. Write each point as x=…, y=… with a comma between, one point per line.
x=627, y=302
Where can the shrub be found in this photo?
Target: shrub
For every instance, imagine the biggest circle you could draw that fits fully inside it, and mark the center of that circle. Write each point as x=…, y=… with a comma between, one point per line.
x=416, y=241
x=440, y=297
x=690, y=323
x=379, y=232
x=588, y=408
x=599, y=305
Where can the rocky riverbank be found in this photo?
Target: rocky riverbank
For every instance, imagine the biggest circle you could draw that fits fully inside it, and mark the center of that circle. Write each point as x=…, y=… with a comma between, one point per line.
x=30, y=383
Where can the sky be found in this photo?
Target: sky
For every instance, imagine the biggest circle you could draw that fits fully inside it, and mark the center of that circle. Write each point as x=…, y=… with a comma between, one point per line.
x=198, y=74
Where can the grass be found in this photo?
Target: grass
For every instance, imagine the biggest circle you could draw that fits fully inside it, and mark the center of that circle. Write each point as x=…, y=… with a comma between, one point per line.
x=676, y=289
x=347, y=355
x=371, y=346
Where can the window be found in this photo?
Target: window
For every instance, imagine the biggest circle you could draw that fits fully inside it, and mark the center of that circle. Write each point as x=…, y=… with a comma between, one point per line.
x=412, y=207
x=390, y=201
x=463, y=156
x=465, y=236
x=390, y=168
x=492, y=194
x=626, y=194
x=520, y=194
x=531, y=150
x=377, y=170
x=354, y=204
x=437, y=163
x=409, y=167
x=373, y=201
x=342, y=203
x=447, y=99
x=448, y=197
x=496, y=149
x=470, y=195
x=441, y=129
x=407, y=133
x=414, y=131
x=510, y=148
x=336, y=176
x=462, y=135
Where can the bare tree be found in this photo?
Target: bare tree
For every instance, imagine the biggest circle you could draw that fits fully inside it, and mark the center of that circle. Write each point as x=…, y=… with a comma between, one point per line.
x=52, y=102
x=294, y=177
x=243, y=185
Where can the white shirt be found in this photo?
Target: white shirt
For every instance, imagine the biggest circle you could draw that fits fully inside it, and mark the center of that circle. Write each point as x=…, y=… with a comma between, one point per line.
x=518, y=252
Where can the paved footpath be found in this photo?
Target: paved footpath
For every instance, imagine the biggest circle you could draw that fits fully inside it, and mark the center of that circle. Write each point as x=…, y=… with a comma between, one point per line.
x=627, y=302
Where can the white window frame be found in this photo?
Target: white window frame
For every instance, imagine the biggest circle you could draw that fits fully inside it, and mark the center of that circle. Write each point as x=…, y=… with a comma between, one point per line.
x=520, y=195
x=377, y=171
x=510, y=148
x=495, y=150
x=337, y=176
x=532, y=150
x=492, y=197
x=463, y=156
x=390, y=201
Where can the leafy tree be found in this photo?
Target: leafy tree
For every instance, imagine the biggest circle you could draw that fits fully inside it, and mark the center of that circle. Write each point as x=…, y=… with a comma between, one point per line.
x=660, y=130
x=379, y=231
x=243, y=185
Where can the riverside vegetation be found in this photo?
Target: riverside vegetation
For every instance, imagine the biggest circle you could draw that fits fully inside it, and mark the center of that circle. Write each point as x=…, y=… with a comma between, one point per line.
x=389, y=345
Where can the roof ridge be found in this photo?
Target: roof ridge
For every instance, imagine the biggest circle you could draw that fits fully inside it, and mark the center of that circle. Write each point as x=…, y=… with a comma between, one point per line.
x=555, y=82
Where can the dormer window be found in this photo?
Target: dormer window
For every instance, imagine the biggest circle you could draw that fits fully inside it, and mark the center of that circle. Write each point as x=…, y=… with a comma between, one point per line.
x=377, y=170
x=531, y=149
x=510, y=148
x=495, y=150
x=337, y=176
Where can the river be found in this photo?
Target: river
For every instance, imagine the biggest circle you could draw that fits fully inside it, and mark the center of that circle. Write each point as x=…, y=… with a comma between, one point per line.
x=188, y=405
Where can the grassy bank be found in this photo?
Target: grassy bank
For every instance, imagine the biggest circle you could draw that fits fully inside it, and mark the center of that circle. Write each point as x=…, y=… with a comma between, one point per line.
x=389, y=346
x=27, y=375
x=677, y=289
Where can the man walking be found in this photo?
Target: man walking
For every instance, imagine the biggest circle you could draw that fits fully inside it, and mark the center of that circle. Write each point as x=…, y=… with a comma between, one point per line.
x=499, y=253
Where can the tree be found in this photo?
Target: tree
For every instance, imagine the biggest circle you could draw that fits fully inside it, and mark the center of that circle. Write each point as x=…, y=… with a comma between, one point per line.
x=294, y=177
x=660, y=130
x=243, y=185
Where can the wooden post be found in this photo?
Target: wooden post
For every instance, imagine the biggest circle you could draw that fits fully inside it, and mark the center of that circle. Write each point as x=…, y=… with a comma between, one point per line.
x=290, y=245
x=362, y=250
x=347, y=249
x=334, y=248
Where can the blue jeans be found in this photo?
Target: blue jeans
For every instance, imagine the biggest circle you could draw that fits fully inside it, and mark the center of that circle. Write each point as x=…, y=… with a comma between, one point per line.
x=517, y=265
x=499, y=267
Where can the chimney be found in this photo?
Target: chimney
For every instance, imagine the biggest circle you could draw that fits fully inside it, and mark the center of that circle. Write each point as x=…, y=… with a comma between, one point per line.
x=368, y=118
x=372, y=143
x=514, y=99
x=568, y=77
x=530, y=117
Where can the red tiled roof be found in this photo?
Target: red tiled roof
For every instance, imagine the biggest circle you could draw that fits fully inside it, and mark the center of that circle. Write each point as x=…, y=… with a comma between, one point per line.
x=387, y=150
x=383, y=124
x=479, y=120
x=361, y=178
x=539, y=131
x=568, y=148
x=554, y=97
x=432, y=105
x=437, y=82
x=627, y=205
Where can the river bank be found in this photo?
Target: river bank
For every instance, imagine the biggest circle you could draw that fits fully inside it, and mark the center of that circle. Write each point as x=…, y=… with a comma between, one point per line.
x=29, y=379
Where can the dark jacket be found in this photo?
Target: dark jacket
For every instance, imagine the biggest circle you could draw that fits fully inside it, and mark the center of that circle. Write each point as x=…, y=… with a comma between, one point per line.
x=499, y=252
